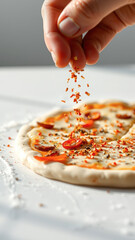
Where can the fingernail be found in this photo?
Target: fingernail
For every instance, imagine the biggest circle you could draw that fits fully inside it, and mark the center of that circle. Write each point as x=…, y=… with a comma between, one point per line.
x=70, y=64
x=68, y=27
x=54, y=57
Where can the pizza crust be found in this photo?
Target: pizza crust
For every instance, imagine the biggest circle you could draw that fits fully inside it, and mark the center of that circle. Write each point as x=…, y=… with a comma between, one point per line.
x=69, y=174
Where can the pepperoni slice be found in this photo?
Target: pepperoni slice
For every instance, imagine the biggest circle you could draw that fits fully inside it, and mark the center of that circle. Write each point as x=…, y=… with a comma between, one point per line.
x=60, y=158
x=88, y=124
x=93, y=115
x=123, y=116
x=72, y=143
x=45, y=125
x=43, y=148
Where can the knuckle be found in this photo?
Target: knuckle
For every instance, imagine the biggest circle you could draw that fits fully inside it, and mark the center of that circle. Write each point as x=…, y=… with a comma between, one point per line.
x=126, y=15
x=108, y=29
x=88, y=8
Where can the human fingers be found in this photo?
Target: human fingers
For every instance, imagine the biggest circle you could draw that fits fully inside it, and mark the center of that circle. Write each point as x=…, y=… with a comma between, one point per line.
x=80, y=16
x=78, y=59
x=100, y=36
x=57, y=44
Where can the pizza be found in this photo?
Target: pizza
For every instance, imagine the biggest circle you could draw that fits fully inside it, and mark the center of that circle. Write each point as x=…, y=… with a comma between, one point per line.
x=91, y=144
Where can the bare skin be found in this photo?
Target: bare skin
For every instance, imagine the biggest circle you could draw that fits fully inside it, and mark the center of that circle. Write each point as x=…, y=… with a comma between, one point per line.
x=64, y=22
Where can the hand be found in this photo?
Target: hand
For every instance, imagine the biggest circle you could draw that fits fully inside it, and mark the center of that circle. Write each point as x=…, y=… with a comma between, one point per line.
x=64, y=22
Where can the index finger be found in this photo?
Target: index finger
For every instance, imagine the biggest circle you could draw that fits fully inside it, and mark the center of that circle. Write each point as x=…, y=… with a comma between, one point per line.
x=56, y=43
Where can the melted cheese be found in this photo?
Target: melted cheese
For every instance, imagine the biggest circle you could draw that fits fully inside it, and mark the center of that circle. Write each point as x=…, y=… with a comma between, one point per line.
x=110, y=146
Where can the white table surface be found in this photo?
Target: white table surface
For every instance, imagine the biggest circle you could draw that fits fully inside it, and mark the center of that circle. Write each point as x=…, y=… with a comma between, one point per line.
x=68, y=211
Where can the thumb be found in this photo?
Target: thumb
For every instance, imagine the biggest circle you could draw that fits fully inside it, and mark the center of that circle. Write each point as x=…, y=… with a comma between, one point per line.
x=80, y=16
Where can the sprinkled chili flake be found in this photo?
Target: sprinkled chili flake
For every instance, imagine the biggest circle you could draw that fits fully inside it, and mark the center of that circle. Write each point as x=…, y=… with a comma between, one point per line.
x=77, y=111
x=73, y=95
x=75, y=58
x=116, y=131
x=63, y=101
x=9, y=138
x=74, y=75
x=120, y=125
x=8, y=145
x=125, y=150
x=39, y=133
x=87, y=93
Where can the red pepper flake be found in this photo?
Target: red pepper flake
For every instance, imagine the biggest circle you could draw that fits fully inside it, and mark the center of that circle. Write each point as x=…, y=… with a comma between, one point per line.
x=115, y=164
x=120, y=125
x=87, y=93
x=66, y=89
x=82, y=77
x=88, y=85
x=8, y=145
x=85, y=161
x=73, y=95
x=72, y=89
x=125, y=150
x=75, y=58
x=70, y=125
x=79, y=85
x=9, y=138
x=77, y=111
x=39, y=133
x=120, y=155
x=116, y=131
x=63, y=101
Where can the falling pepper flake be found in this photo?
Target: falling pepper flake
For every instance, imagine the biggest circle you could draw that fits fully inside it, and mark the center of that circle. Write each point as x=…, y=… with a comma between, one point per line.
x=88, y=85
x=79, y=85
x=75, y=58
x=9, y=138
x=87, y=93
x=72, y=89
x=41, y=205
x=82, y=77
x=8, y=145
x=63, y=101
x=66, y=89
x=72, y=95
